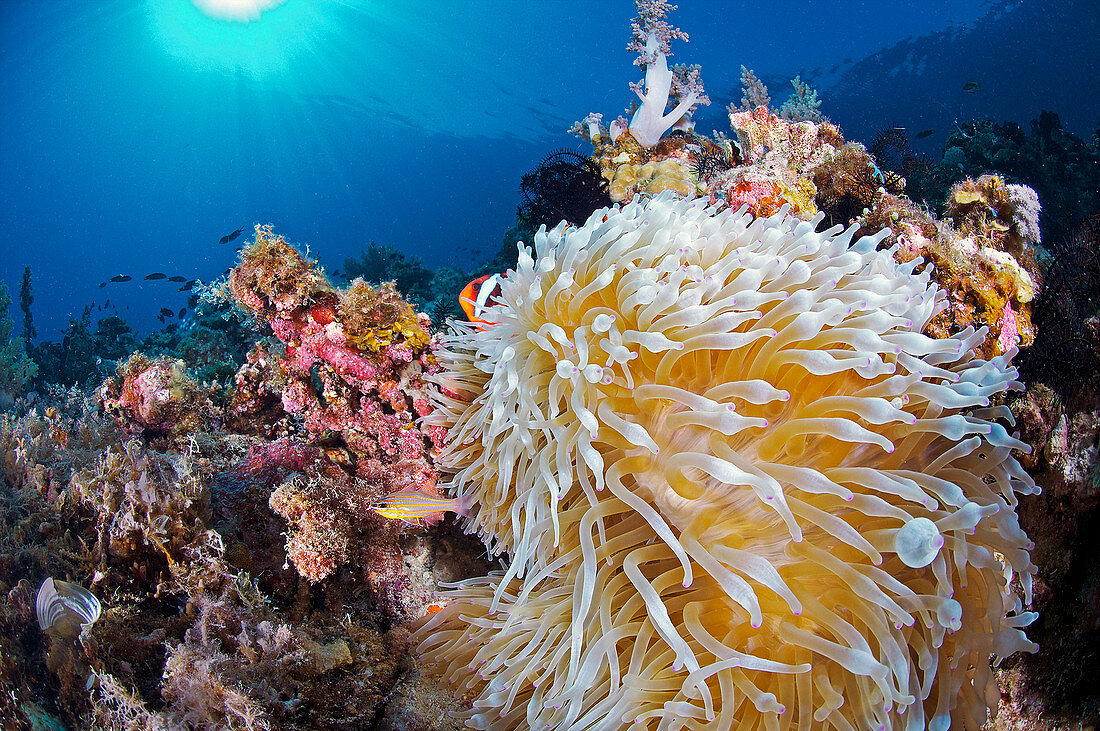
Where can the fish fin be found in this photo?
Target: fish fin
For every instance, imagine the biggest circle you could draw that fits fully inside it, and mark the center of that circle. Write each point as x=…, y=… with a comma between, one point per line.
x=464, y=504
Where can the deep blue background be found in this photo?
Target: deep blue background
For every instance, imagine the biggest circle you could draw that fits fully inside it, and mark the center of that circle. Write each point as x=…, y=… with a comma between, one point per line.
x=135, y=133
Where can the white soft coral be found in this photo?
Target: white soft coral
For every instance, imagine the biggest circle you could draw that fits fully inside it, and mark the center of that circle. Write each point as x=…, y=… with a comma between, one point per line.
x=650, y=121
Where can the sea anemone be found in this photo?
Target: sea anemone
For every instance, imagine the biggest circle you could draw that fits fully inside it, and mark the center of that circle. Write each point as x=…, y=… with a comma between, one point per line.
x=737, y=484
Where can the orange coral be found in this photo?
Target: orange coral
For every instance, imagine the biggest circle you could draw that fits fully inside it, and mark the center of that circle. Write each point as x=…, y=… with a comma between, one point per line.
x=374, y=318
x=766, y=189
x=762, y=197
x=984, y=285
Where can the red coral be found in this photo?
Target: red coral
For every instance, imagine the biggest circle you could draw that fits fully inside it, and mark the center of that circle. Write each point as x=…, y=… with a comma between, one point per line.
x=352, y=370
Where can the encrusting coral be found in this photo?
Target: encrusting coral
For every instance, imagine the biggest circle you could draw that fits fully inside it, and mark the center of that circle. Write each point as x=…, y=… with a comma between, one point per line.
x=157, y=396
x=365, y=346
x=351, y=367
x=983, y=255
x=652, y=178
x=189, y=636
x=738, y=486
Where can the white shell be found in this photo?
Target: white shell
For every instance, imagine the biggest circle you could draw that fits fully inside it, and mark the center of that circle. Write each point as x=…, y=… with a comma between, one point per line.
x=58, y=598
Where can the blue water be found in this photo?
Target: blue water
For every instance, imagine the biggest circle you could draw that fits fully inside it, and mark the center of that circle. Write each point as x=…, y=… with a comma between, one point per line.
x=135, y=133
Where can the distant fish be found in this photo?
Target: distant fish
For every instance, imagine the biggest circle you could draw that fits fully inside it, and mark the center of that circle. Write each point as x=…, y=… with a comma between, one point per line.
x=925, y=133
x=102, y=285
x=107, y=303
x=192, y=300
x=971, y=86
x=171, y=328
x=156, y=275
x=187, y=285
x=177, y=278
x=183, y=311
x=120, y=278
x=165, y=312
x=229, y=237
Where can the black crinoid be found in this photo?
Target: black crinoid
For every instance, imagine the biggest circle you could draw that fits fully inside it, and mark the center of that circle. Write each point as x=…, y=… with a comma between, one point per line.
x=566, y=186
x=846, y=185
x=706, y=158
x=1066, y=352
x=901, y=168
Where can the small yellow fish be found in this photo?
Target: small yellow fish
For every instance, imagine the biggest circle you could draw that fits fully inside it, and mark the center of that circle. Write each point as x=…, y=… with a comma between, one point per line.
x=414, y=507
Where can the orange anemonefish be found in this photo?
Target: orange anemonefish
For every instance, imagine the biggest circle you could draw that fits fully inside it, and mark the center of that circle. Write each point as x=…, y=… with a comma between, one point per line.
x=475, y=297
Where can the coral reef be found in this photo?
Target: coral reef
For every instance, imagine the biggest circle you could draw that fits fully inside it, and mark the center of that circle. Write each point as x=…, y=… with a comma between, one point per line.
x=1062, y=168
x=729, y=471
x=351, y=369
x=794, y=159
x=16, y=368
x=76, y=358
x=986, y=266
x=1055, y=688
x=202, y=626
x=244, y=581
x=1059, y=416
x=366, y=348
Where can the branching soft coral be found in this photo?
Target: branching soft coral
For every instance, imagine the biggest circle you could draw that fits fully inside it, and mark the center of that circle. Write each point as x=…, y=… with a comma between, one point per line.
x=679, y=86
